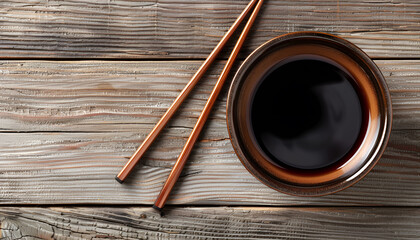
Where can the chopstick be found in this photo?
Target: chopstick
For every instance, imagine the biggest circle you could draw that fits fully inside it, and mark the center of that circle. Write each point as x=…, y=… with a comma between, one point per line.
x=128, y=168
x=180, y=163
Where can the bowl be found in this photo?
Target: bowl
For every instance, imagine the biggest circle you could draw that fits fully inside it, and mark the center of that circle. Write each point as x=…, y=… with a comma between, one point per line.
x=281, y=173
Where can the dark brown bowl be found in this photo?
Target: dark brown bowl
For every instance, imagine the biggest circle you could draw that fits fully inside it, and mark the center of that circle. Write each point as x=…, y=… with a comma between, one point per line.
x=376, y=101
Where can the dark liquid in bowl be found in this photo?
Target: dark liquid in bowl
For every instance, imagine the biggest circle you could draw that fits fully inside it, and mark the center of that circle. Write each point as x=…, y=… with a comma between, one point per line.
x=306, y=114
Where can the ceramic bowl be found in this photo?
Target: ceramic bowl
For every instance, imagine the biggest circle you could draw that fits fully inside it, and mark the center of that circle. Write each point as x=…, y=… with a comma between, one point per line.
x=376, y=104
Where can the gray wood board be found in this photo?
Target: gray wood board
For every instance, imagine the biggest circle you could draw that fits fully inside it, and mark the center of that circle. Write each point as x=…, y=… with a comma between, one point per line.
x=186, y=29
x=210, y=223
x=127, y=96
x=77, y=168
x=67, y=128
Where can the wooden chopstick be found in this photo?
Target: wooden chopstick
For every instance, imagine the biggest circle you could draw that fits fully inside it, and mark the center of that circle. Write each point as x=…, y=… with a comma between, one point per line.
x=121, y=177
x=179, y=165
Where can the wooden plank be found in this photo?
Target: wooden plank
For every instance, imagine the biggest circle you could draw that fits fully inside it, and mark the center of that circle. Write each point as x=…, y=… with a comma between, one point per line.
x=210, y=223
x=77, y=168
x=97, y=96
x=185, y=29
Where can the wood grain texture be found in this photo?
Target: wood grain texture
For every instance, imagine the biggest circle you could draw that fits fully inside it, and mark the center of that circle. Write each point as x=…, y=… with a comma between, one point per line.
x=67, y=128
x=79, y=168
x=97, y=96
x=185, y=29
x=210, y=223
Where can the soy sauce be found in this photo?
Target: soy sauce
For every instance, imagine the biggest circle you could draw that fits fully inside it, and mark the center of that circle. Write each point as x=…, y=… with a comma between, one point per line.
x=306, y=114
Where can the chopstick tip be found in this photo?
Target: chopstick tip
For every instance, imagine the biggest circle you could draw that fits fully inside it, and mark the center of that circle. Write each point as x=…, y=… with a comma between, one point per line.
x=157, y=208
x=119, y=180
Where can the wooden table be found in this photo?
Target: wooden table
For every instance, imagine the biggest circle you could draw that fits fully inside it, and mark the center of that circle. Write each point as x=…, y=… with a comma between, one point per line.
x=83, y=82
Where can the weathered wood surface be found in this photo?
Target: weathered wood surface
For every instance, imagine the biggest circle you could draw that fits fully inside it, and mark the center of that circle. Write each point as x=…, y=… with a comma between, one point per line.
x=190, y=29
x=97, y=96
x=210, y=223
x=79, y=168
x=68, y=127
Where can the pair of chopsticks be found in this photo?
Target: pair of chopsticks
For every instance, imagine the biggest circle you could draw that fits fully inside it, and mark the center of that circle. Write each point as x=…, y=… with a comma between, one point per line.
x=179, y=165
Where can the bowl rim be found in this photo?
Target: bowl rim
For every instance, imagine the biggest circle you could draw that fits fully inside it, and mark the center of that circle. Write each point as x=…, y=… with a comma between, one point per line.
x=329, y=188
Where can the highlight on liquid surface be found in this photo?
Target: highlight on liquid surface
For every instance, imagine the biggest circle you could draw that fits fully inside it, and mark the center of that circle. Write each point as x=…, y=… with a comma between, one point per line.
x=306, y=114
